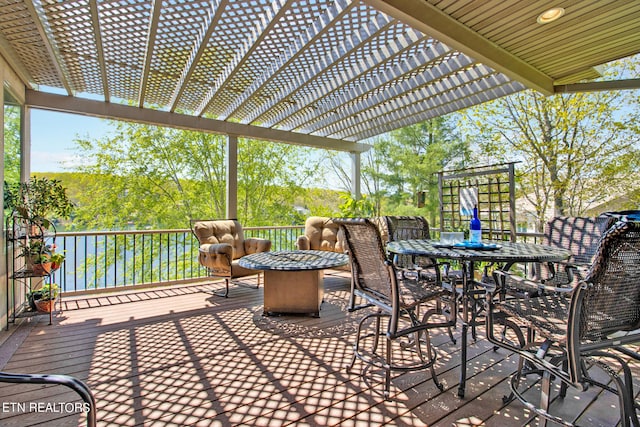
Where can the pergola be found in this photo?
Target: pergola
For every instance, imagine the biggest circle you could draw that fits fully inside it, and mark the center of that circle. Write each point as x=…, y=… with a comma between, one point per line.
x=320, y=73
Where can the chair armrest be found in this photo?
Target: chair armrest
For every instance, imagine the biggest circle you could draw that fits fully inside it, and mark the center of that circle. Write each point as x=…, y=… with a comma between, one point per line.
x=253, y=245
x=303, y=243
x=509, y=283
x=216, y=257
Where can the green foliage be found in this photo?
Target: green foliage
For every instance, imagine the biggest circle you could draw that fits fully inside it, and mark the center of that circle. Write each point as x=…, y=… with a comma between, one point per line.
x=11, y=143
x=319, y=202
x=352, y=208
x=576, y=150
x=38, y=199
x=150, y=177
x=36, y=250
x=57, y=257
x=407, y=162
x=270, y=178
x=47, y=292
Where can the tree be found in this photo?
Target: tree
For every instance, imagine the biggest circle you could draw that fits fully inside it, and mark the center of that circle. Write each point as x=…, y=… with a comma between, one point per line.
x=271, y=176
x=404, y=163
x=371, y=179
x=11, y=143
x=148, y=176
x=577, y=150
x=413, y=155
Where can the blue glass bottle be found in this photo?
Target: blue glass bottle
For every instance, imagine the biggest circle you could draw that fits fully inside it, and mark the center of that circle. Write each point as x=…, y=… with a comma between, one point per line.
x=475, y=228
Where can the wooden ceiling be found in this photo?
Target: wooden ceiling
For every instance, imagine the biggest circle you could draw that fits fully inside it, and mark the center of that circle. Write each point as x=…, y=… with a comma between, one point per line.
x=316, y=72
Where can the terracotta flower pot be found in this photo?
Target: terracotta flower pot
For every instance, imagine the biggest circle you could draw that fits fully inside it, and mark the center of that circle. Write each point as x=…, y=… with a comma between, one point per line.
x=42, y=269
x=45, y=306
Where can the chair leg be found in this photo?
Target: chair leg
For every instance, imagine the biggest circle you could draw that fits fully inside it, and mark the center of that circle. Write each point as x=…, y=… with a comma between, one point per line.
x=376, y=339
x=629, y=396
x=432, y=359
x=387, y=371
x=226, y=288
x=545, y=397
x=356, y=346
x=453, y=309
x=352, y=296
x=451, y=318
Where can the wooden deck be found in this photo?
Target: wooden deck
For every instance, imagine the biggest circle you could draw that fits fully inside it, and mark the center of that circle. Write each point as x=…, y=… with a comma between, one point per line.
x=184, y=357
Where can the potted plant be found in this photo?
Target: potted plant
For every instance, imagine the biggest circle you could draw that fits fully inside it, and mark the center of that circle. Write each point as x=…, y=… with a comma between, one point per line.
x=56, y=258
x=37, y=256
x=38, y=199
x=45, y=297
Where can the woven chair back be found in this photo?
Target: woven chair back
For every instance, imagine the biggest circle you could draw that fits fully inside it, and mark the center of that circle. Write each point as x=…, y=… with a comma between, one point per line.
x=578, y=235
x=612, y=296
x=372, y=274
x=407, y=227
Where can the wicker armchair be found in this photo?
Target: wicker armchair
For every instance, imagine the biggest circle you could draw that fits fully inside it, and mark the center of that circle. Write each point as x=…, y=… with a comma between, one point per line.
x=321, y=234
x=578, y=330
x=222, y=244
x=397, y=299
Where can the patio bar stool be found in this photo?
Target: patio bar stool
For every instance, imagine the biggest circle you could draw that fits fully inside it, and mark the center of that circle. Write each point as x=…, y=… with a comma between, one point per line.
x=395, y=301
x=570, y=333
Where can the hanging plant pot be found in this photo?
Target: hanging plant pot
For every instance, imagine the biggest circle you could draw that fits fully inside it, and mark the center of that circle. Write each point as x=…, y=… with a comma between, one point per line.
x=45, y=306
x=41, y=269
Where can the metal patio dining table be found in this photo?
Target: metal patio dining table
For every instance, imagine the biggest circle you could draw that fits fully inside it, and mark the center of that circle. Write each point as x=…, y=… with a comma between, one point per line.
x=505, y=254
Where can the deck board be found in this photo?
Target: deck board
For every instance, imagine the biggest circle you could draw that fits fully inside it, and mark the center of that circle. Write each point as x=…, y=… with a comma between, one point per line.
x=186, y=357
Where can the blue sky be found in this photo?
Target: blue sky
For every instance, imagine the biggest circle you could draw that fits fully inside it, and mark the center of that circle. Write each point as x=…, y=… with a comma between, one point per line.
x=52, y=136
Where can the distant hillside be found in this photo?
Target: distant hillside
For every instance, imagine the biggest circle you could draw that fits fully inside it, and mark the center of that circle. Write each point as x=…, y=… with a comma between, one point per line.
x=315, y=201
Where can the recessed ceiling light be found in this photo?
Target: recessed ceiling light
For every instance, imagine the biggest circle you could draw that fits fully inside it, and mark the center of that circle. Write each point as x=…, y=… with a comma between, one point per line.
x=550, y=15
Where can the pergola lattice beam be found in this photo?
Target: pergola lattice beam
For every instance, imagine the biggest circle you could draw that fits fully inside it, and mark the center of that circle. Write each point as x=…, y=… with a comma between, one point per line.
x=95, y=22
x=198, y=49
x=372, y=62
x=424, y=99
x=156, y=10
x=439, y=91
x=336, y=12
x=420, y=115
x=88, y=107
x=406, y=93
x=266, y=22
x=40, y=21
x=346, y=48
x=431, y=20
x=7, y=51
x=354, y=101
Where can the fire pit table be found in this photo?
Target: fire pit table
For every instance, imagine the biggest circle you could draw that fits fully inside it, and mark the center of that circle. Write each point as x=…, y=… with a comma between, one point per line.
x=293, y=280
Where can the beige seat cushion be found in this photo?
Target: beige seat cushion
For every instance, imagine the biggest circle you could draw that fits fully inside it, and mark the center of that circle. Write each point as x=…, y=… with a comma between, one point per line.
x=322, y=234
x=221, y=231
x=222, y=244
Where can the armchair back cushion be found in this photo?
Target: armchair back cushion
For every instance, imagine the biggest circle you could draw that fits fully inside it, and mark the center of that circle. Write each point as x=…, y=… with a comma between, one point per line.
x=221, y=231
x=222, y=244
x=322, y=234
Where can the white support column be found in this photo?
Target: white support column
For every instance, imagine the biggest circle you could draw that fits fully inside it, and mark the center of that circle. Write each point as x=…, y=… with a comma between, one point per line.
x=355, y=176
x=232, y=176
x=25, y=144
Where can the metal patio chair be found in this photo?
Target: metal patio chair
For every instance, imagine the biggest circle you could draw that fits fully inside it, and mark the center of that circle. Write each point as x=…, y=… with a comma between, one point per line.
x=571, y=332
x=396, y=299
x=580, y=236
x=409, y=228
